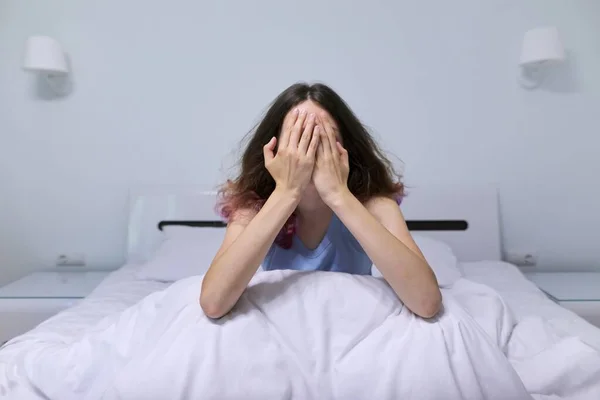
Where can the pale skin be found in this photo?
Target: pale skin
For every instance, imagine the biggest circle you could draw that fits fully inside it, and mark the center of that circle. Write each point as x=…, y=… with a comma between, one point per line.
x=310, y=169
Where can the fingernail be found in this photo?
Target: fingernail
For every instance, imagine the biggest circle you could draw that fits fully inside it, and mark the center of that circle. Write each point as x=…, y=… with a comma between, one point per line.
x=312, y=115
x=296, y=111
x=303, y=112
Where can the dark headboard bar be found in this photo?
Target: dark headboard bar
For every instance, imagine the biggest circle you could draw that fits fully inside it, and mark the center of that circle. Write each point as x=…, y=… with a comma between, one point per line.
x=413, y=225
x=437, y=225
x=195, y=224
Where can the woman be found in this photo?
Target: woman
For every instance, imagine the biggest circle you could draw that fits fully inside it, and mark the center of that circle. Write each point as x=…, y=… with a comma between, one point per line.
x=315, y=193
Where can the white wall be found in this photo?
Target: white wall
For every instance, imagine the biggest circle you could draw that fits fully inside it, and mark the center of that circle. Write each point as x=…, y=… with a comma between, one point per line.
x=165, y=90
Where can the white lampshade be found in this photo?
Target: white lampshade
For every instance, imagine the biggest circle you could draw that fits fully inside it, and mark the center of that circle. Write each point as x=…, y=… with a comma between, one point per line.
x=542, y=44
x=43, y=53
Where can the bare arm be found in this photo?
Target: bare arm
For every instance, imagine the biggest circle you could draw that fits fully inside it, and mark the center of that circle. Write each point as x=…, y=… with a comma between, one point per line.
x=249, y=237
x=381, y=230
x=245, y=245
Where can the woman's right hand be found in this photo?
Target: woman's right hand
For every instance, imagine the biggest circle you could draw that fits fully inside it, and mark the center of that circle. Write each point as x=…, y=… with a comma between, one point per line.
x=291, y=166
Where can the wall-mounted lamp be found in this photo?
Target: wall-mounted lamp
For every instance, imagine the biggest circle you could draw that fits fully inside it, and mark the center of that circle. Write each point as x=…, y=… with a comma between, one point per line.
x=541, y=47
x=45, y=56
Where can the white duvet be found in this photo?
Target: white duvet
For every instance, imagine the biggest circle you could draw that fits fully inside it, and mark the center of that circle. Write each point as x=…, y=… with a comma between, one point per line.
x=317, y=335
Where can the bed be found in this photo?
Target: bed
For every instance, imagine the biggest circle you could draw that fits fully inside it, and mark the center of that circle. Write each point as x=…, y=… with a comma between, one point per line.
x=555, y=353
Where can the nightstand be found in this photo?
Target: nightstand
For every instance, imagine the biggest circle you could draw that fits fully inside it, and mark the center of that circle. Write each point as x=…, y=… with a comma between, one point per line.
x=576, y=291
x=36, y=297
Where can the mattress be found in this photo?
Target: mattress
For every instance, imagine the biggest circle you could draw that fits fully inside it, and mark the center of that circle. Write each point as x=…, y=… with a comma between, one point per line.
x=527, y=300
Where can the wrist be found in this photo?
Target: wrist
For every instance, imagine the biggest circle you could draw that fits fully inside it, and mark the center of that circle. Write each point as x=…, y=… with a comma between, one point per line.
x=287, y=194
x=339, y=200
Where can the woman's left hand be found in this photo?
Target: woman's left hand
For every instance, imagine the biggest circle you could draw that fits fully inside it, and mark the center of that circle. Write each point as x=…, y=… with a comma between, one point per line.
x=330, y=175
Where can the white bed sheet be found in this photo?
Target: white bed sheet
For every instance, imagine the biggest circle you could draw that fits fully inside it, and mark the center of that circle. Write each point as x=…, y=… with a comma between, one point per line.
x=527, y=300
x=121, y=290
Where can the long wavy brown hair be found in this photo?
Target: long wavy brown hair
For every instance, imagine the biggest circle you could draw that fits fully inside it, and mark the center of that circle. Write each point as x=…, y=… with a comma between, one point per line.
x=371, y=173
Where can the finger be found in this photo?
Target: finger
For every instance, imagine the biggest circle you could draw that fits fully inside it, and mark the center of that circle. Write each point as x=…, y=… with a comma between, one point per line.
x=284, y=138
x=290, y=119
x=327, y=151
x=268, y=150
x=325, y=133
x=343, y=153
x=314, y=143
x=307, y=134
x=322, y=142
x=331, y=139
x=296, y=130
x=327, y=123
x=319, y=120
x=329, y=132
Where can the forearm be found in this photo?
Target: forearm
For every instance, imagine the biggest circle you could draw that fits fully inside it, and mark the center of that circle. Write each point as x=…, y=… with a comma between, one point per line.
x=406, y=271
x=230, y=273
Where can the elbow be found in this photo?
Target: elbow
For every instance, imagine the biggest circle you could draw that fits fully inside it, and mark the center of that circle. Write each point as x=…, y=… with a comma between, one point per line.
x=211, y=299
x=431, y=303
x=211, y=307
x=431, y=306
x=431, y=311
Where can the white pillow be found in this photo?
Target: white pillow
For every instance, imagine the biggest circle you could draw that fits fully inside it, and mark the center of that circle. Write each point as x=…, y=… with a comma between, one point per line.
x=440, y=257
x=186, y=251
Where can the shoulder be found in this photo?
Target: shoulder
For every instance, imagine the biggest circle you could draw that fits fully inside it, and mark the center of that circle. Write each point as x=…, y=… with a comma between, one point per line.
x=242, y=216
x=381, y=206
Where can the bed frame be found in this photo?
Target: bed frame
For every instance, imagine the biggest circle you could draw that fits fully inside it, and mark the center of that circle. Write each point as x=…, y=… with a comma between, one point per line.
x=464, y=217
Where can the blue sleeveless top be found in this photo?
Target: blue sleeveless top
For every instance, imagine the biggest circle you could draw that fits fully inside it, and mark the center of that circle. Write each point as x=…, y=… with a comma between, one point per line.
x=339, y=251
